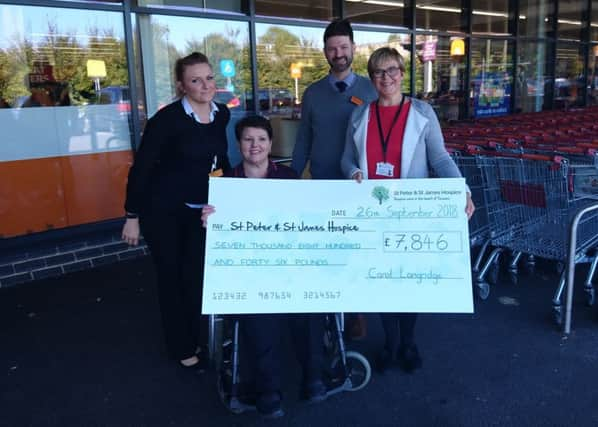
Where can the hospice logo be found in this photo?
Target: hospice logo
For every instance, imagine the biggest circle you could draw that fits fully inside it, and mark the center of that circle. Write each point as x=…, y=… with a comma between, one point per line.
x=380, y=193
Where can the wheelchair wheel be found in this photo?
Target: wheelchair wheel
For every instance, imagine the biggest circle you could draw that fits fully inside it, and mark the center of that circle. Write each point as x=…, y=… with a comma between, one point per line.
x=358, y=369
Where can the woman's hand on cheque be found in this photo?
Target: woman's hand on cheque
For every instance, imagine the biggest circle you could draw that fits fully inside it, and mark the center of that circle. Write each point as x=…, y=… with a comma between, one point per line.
x=469, y=206
x=206, y=211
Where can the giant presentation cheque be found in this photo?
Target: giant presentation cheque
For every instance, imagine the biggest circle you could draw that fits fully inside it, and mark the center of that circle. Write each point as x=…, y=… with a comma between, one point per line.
x=289, y=246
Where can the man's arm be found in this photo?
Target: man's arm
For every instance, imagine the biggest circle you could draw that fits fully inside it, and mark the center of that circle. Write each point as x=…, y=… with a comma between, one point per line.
x=303, y=140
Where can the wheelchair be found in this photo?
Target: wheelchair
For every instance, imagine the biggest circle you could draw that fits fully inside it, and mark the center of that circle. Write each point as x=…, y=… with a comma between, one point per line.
x=346, y=370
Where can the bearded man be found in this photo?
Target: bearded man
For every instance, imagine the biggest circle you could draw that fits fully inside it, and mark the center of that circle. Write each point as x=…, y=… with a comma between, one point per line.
x=325, y=111
x=327, y=105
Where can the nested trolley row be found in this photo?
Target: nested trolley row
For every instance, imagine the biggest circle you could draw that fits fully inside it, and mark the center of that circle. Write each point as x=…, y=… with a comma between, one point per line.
x=526, y=196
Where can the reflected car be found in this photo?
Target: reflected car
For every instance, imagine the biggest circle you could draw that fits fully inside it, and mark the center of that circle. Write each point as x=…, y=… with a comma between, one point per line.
x=120, y=98
x=271, y=99
x=118, y=95
x=281, y=98
x=224, y=96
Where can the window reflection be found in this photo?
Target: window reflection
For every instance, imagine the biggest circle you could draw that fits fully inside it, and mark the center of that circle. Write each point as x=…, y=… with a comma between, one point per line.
x=279, y=49
x=390, y=12
x=60, y=127
x=313, y=9
x=94, y=1
x=164, y=39
x=593, y=75
x=594, y=22
x=440, y=70
x=491, y=77
x=289, y=58
x=490, y=17
x=368, y=42
x=571, y=13
x=439, y=15
x=44, y=59
x=283, y=48
x=536, y=17
x=531, y=78
x=569, y=82
x=207, y=5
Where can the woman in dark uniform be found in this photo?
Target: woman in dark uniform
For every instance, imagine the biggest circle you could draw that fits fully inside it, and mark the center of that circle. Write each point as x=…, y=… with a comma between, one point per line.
x=182, y=145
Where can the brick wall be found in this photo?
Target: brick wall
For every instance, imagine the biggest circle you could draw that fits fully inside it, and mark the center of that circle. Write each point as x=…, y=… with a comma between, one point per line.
x=51, y=259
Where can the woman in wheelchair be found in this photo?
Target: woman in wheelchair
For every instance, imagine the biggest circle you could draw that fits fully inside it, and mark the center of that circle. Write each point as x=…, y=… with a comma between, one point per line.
x=262, y=333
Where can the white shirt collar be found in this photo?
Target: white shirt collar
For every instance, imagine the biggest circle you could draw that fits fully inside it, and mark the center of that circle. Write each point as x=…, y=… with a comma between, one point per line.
x=189, y=109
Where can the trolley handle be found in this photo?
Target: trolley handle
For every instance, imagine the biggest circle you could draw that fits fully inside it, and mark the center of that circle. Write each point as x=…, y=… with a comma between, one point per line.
x=525, y=156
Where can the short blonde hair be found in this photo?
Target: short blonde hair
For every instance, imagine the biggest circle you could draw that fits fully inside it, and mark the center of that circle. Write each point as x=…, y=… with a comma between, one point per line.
x=384, y=54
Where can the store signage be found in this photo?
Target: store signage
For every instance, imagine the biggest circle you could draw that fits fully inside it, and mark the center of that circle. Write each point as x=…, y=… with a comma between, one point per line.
x=429, y=51
x=41, y=73
x=227, y=68
x=492, y=94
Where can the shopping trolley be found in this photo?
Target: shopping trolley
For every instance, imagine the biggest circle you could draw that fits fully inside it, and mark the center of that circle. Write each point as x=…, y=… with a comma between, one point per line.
x=479, y=229
x=531, y=200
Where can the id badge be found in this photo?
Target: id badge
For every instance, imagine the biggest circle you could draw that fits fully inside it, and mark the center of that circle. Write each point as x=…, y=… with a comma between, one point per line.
x=385, y=169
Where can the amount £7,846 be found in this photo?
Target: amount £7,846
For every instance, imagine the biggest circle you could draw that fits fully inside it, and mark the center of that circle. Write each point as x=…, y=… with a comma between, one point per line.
x=422, y=241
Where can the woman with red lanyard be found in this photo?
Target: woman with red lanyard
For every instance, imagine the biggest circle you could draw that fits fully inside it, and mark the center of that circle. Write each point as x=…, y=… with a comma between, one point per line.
x=396, y=137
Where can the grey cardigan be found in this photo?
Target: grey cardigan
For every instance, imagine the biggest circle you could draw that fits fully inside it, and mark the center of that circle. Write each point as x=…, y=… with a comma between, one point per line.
x=423, y=144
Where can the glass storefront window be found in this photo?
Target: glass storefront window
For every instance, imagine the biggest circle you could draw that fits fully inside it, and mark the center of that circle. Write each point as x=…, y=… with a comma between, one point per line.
x=95, y=1
x=281, y=48
x=392, y=12
x=532, y=77
x=536, y=17
x=65, y=118
x=490, y=17
x=438, y=15
x=164, y=39
x=569, y=84
x=206, y=5
x=314, y=9
x=571, y=13
x=440, y=73
x=593, y=75
x=369, y=41
x=491, y=77
x=594, y=22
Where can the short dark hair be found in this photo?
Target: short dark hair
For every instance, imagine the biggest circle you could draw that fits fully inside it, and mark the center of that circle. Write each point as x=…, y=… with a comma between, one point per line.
x=338, y=27
x=253, y=121
x=191, y=59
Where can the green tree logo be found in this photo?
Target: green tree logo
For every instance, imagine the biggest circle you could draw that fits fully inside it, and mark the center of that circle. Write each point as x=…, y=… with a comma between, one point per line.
x=380, y=194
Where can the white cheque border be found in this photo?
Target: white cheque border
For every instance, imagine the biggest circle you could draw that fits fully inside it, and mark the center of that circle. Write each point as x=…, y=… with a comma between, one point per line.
x=289, y=246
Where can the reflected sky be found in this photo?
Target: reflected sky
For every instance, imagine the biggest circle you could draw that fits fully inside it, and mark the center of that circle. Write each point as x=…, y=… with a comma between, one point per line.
x=183, y=29
x=32, y=22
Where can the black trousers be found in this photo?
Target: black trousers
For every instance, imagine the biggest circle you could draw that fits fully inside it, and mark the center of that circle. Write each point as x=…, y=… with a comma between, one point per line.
x=263, y=334
x=177, y=243
x=399, y=330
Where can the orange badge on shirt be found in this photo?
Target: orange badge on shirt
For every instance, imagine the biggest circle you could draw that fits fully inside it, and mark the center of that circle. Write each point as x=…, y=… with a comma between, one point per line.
x=217, y=172
x=355, y=100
